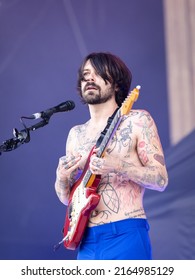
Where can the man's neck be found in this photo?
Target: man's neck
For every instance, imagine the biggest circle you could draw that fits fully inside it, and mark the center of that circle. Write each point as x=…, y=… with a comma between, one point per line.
x=101, y=112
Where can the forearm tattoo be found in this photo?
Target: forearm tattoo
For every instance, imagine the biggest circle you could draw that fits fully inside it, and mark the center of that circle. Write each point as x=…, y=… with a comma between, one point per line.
x=64, y=187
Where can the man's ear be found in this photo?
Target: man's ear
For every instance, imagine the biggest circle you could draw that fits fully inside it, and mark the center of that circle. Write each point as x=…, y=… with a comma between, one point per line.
x=116, y=88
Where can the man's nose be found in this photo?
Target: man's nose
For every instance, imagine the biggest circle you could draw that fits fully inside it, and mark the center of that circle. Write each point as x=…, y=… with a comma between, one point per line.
x=91, y=77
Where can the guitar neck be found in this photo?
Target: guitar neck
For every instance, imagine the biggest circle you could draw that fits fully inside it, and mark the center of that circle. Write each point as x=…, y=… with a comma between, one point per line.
x=102, y=147
x=110, y=133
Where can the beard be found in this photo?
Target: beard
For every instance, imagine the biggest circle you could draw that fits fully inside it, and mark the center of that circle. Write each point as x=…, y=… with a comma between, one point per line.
x=95, y=96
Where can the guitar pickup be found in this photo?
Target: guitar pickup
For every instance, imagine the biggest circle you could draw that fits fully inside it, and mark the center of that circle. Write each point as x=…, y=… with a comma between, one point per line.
x=70, y=211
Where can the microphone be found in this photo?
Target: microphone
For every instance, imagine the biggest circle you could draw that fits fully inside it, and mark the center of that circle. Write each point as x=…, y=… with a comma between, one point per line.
x=62, y=107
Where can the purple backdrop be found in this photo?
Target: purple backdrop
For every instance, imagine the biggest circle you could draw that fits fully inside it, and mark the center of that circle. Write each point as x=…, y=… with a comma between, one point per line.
x=42, y=45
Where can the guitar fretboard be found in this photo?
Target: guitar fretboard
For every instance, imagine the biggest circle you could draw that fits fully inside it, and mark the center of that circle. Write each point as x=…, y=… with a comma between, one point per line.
x=108, y=136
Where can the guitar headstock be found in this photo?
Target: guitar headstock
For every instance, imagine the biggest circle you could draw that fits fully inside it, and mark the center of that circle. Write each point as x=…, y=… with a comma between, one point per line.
x=128, y=102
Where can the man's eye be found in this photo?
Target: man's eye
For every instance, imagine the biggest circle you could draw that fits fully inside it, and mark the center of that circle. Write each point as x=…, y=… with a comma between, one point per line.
x=84, y=76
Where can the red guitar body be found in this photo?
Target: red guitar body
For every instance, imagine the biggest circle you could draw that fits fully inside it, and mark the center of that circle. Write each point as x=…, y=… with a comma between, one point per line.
x=83, y=199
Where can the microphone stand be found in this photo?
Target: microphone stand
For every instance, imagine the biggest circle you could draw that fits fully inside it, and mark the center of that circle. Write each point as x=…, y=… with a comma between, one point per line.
x=21, y=137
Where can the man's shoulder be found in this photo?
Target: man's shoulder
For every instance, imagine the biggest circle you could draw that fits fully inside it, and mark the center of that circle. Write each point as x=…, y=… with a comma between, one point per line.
x=139, y=113
x=136, y=116
x=79, y=127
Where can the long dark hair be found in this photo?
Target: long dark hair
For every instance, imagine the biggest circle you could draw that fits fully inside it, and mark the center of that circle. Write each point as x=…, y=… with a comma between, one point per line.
x=112, y=69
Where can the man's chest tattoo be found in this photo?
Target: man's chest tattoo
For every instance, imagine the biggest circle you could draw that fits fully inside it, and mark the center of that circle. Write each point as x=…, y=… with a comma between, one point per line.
x=122, y=139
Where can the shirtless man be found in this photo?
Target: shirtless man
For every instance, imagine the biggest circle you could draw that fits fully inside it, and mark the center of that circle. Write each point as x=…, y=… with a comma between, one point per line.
x=133, y=162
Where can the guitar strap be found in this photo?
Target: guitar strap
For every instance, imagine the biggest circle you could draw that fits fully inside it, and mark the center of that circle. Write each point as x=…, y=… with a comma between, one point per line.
x=103, y=133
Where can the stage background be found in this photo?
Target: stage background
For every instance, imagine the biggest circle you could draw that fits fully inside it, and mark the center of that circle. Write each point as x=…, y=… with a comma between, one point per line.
x=42, y=44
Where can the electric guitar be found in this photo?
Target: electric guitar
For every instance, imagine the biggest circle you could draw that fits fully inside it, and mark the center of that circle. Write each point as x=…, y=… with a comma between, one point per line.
x=84, y=197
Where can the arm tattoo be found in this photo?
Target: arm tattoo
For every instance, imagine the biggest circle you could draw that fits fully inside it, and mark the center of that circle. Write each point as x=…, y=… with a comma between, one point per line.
x=160, y=159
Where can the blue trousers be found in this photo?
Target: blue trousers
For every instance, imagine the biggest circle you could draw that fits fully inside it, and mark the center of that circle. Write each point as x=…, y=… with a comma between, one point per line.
x=121, y=240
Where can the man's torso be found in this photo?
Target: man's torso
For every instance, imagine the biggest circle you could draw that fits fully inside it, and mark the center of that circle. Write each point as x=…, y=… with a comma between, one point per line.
x=121, y=198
